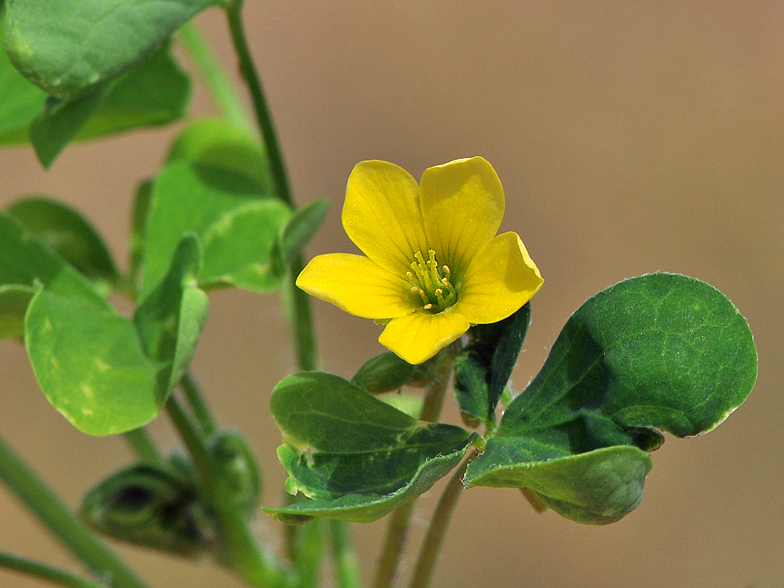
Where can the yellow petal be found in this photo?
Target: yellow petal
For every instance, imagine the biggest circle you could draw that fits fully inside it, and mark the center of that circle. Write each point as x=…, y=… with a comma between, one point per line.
x=357, y=285
x=419, y=336
x=381, y=215
x=463, y=205
x=500, y=279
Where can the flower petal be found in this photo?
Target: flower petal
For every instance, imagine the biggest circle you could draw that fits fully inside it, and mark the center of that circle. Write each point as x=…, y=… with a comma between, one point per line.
x=419, y=336
x=500, y=279
x=381, y=215
x=357, y=285
x=462, y=205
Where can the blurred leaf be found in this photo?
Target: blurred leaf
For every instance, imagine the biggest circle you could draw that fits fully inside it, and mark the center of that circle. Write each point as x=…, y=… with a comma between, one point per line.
x=69, y=234
x=25, y=260
x=20, y=101
x=484, y=366
x=227, y=205
x=217, y=144
x=356, y=455
x=71, y=47
x=13, y=305
x=105, y=373
x=152, y=507
x=238, y=468
x=299, y=230
x=169, y=320
x=661, y=351
x=154, y=92
x=141, y=207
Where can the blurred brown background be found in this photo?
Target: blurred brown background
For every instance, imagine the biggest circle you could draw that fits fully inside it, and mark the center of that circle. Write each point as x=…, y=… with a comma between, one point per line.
x=630, y=137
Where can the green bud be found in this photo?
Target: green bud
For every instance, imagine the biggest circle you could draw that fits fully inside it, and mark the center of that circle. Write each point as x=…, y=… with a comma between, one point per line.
x=238, y=467
x=388, y=372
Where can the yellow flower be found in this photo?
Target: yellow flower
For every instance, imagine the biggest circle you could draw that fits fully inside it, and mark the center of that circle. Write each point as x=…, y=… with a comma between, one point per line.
x=434, y=263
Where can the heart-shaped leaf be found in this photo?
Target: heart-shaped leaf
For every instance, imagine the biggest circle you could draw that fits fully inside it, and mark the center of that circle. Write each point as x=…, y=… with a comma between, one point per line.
x=356, y=455
x=661, y=351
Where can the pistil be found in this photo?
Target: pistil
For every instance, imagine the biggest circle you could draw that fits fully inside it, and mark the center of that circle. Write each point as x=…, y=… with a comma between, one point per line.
x=431, y=283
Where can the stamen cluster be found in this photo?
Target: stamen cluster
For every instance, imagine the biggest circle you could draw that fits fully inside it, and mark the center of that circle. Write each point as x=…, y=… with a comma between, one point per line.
x=431, y=283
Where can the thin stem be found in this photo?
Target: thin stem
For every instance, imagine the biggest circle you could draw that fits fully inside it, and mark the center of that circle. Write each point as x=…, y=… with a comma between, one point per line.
x=45, y=572
x=57, y=517
x=434, y=539
x=344, y=558
x=308, y=554
x=397, y=530
x=143, y=445
x=241, y=552
x=263, y=118
x=300, y=318
x=198, y=404
x=218, y=85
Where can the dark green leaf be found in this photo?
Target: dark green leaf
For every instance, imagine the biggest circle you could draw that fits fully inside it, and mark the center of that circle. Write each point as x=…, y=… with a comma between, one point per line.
x=151, y=507
x=300, y=229
x=24, y=260
x=597, y=487
x=661, y=351
x=69, y=234
x=484, y=366
x=70, y=47
x=357, y=455
x=384, y=373
x=13, y=305
x=20, y=101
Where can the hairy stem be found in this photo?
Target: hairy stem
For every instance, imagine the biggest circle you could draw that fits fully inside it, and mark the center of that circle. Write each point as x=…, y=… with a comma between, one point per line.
x=58, y=518
x=434, y=539
x=397, y=531
x=44, y=572
x=240, y=550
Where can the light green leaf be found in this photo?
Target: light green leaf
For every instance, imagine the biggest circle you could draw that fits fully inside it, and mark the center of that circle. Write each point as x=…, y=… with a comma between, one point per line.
x=204, y=190
x=661, y=351
x=20, y=101
x=13, y=305
x=356, y=455
x=70, y=47
x=138, y=237
x=105, y=373
x=90, y=365
x=69, y=234
x=154, y=92
x=24, y=260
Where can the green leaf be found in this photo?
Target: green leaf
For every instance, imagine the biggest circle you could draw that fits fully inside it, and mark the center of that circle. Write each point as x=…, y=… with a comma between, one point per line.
x=217, y=144
x=154, y=92
x=70, y=47
x=138, y=237
x=169, y=320
x=152, y=507
x=597, y=487
x=227, y=205
x=661, y=351
x=484, y=366
x=299, y=230
x=69, y=234
x=13, y=305
x=90, y=365
x=105, y=373
x=25, y=260
x=20, y=101
x=356, y=455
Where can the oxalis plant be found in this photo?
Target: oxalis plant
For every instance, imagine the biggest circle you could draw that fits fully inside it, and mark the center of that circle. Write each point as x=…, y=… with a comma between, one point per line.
x=661, y=352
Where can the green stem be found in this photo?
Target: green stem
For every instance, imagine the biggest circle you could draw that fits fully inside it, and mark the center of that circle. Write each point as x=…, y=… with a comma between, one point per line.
x=398, y=523
x=45, y=572
x=240, y=550
x=300, y=318
x=308, y=554
x=218, y=85
x=343, y=556
x=57, y=517
x=198, y=405
x=143, y=445
x=438, y=524
x=263, y=118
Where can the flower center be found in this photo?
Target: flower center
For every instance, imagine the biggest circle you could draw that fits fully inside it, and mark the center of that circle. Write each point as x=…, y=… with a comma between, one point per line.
x=431, y=283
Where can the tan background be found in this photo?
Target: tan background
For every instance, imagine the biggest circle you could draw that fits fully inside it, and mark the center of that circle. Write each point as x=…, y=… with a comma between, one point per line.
x=630, y=137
